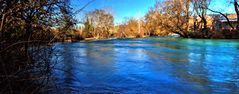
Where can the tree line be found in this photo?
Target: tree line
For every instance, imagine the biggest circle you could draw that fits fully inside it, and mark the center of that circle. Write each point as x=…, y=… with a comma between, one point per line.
x=187, y=18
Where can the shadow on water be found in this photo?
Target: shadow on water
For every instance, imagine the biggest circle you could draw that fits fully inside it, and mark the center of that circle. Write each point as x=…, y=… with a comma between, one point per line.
x=148, y=65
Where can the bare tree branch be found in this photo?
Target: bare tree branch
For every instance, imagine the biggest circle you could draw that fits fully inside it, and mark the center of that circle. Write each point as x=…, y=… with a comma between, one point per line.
x=81, y=9
x=228, y=21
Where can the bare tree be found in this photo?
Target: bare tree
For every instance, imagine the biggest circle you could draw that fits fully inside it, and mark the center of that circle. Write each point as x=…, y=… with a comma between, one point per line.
x=200, y=7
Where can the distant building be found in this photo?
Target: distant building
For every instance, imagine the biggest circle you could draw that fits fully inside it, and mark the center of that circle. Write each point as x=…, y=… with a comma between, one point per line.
x=214, y=21
x=220, y=22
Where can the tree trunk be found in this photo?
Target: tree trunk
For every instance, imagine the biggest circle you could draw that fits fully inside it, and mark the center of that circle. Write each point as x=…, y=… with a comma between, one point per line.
x=237, y=12
x=204, y=20
x=187, y=14
x=204, y=23
x=1, y=25
x=27, y=37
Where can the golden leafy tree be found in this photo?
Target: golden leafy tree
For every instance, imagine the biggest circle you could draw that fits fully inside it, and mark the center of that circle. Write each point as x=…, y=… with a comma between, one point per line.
x=169, y=16
x=132, y=28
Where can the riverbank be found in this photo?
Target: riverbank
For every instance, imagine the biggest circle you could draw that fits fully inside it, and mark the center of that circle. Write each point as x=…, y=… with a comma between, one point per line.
x=95, y=39
x=225, y=34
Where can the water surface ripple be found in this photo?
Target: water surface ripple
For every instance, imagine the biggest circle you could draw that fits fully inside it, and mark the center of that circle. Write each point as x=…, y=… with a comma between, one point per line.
x=149, y=65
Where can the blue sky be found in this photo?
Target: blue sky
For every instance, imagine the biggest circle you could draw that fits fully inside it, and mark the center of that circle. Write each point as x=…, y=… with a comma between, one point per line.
x=122, y=9
x=119, y=8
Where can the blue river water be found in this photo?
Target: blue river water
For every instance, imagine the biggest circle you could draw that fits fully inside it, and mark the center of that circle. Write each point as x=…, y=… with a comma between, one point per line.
x=152, y=65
